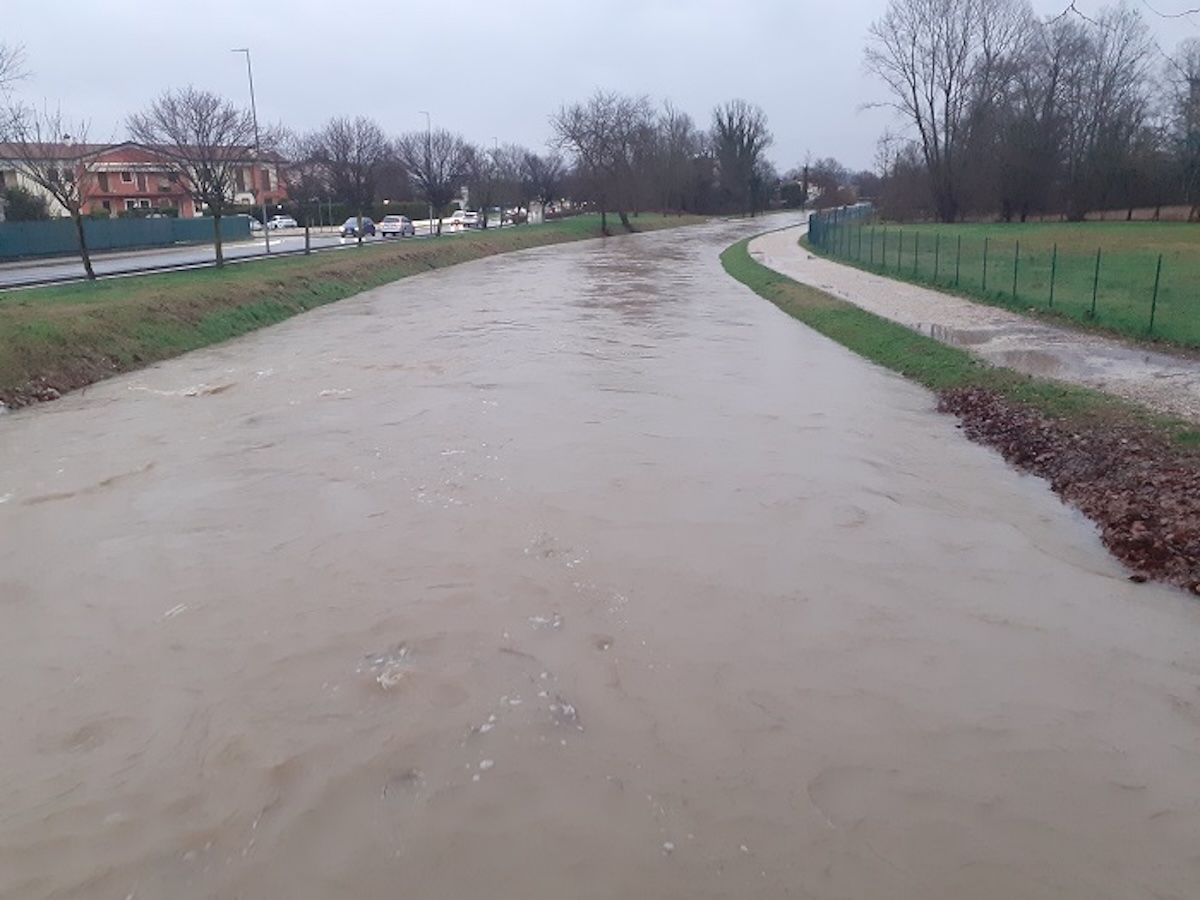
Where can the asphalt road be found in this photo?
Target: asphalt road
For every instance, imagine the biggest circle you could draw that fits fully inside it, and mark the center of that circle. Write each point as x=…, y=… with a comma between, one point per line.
x=32, y=272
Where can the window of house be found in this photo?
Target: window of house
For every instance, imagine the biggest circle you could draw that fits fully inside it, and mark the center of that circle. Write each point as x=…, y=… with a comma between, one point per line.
x=240, y=179
x=127, y=177
x=107, y=204
x=131, y=204
x=144, y=204
x=102, y=181
x=141, y=181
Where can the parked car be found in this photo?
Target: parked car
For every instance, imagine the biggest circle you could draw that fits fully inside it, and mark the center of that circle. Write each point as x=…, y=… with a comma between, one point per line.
x=464, y=218
x=282, y=222
x=400, y=226
x=350, y=227
x=255, y=225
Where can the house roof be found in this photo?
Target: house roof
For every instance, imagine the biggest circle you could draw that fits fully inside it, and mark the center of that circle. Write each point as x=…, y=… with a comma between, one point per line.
x=123, y=151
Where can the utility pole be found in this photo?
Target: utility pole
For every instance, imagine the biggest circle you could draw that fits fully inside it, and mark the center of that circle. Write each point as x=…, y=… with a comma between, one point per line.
x=428, y=163
x=257, y=148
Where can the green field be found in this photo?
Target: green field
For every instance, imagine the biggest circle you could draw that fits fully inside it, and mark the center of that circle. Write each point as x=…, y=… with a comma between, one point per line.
x=1049, y=269
x=55, y=339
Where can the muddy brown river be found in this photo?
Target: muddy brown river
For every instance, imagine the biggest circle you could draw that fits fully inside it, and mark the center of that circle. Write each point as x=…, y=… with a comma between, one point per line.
x=576, y=573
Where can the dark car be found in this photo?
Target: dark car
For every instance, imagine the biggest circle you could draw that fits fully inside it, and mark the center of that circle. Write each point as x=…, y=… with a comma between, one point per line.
x=350, y=227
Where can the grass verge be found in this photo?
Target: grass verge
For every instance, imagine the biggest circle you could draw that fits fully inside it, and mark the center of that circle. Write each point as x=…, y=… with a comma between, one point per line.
x=56, y=339
x=1136, y=474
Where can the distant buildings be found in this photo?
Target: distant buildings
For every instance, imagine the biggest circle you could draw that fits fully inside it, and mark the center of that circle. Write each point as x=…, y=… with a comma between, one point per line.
x=131, y=176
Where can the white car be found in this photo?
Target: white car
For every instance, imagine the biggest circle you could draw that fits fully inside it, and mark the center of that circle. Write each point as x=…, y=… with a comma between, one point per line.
x=400, y=226
x=282, y=222
x=464, y=218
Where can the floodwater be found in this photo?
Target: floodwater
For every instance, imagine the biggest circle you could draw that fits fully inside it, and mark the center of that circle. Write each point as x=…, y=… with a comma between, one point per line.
x=580, y=572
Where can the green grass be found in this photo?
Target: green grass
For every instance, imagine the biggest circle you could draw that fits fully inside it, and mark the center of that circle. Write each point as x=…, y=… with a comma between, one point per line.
x=933, y=364
x=72, y=335
x=952, y=257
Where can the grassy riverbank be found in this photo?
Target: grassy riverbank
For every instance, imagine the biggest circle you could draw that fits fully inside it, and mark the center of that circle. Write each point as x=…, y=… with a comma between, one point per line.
x=1105, y=275
x=1134, y=473
x=56, y=339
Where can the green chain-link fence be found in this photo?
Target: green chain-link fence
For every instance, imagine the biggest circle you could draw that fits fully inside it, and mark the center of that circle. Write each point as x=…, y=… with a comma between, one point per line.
x=1131, y=287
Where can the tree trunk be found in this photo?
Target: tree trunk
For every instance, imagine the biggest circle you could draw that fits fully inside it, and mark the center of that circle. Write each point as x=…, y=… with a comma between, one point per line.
x=624, y=217
x=220, y=254
x=84, y=253
x=603, y=221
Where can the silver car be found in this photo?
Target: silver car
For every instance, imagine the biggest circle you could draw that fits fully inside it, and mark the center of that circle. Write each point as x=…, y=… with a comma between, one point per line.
x=399, y=226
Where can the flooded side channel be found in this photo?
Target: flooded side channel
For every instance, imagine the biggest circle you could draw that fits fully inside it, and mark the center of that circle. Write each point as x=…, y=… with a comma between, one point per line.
x=581, y=572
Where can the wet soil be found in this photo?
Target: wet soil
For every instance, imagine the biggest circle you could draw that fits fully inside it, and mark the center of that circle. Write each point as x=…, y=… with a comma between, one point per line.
x=1142, y=492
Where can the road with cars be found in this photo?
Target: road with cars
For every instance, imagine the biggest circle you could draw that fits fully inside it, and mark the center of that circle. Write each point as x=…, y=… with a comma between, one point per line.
x=28, y=273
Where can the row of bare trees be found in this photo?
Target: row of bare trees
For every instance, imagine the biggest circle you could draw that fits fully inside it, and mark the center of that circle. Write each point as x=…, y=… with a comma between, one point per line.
x=616, y=153
x=1013, y=115
x=629, y=156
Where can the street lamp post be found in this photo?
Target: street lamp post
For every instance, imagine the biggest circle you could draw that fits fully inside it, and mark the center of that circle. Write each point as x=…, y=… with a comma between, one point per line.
x=428, y=163
x=257, y=148
x=495, y=164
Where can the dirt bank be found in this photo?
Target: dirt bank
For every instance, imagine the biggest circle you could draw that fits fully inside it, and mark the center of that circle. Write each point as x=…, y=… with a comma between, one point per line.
x=1142, y=493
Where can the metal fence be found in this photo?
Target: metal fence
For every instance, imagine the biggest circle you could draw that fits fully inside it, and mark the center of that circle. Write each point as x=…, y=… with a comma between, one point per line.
x=1133, y=291
x=24, y=240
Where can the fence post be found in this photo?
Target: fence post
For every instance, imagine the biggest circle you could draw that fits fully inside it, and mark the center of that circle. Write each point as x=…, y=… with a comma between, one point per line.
x=958, y=261
x=1095, y=285
x=883, y=255
x=858, y=256
x=916, y=250
x=1053, y=272
x=900, y=251
x=937, y=248
x=985, y=249
x=1016, y=264
x=1154, y=299
x=872, y=250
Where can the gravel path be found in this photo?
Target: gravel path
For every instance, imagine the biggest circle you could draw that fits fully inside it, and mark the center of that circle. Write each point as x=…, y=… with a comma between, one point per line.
x=1169, y=384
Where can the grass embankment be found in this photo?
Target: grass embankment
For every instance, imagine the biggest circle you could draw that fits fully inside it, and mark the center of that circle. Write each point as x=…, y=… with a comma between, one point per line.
x=952, y=257
x=58, y=338
x=1136, y=474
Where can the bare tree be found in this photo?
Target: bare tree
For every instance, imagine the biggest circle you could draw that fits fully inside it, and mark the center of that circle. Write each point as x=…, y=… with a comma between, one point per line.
x=11, y=70
x=205, y=139
x=437, y=163
x=509, y=160
x=1184, y=78
x=306, y=179
x=739, y=138
x=52, y=153
x=1105, y=104
x=542, y=178
x=606, y=136
x=481, y=180
x=678, y=143
x=352, y=152
x=945, y=61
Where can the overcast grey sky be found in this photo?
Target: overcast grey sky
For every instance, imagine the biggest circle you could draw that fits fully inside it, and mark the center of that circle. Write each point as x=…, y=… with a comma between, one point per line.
x=485, y=68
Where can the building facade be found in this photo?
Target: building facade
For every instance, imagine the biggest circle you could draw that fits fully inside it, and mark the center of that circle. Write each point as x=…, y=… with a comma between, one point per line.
x=126, y=177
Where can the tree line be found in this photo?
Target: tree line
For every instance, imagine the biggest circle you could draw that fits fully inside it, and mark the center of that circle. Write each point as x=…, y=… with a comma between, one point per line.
x=1013, y=116
x=614, y=153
